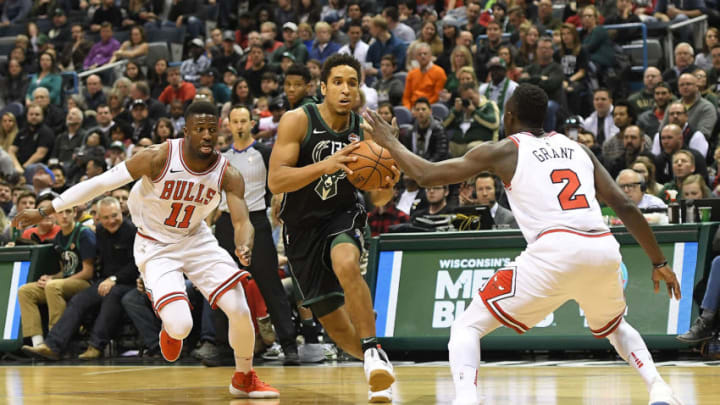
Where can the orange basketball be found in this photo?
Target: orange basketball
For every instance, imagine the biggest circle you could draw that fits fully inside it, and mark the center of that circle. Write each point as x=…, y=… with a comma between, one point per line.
x=372, y=166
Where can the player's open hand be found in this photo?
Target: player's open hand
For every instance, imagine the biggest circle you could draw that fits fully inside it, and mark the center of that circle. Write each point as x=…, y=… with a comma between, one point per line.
x=666, y=274
x=383, y=133
x=26, y=218
x=340, y=159
x=244, y=254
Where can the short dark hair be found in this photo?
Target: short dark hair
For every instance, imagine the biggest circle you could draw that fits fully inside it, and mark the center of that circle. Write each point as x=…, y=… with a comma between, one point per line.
x=422, y=100
x=57, y=166
x=26, y=194
x=102, y=105
x=298, y=69
x=98, y=162
x=339, y=60
x=200, y=108
x=391, y=13
x=142, y=87
x=630, y=109
x=391, y=58
x=106, y=24
x=47, y=196
x=665, y=85
x=530, y=104
x=269, y=76
x=605, y=89
x=354, y=23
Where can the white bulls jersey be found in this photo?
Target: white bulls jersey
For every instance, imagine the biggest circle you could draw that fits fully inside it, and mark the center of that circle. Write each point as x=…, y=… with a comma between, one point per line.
x=553, y=186
x=175, y=204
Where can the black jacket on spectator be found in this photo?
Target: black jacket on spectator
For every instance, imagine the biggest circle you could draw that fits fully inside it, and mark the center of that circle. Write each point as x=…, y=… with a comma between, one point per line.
x=622, y=37
x=113, y=15
x=552, y=85
x=115, y=252
x=156, y=109
x=60, y=36
x=185, y=8
x=14, y=89
x=32, y=137
x=254, y=79
x=76, y=55
x=66, y=146
x=663, y=166
x=671, y=76
x=55, y=118
x=436, y=141
x=144, y=130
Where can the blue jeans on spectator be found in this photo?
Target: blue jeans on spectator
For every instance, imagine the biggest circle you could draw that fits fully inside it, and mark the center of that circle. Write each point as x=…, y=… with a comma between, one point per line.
x=106, y=323
x=551, y=116
x=139, y=309
x=711, y=300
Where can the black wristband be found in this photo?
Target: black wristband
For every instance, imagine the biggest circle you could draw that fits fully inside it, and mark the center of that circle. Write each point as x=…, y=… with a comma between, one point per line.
x=659, y=265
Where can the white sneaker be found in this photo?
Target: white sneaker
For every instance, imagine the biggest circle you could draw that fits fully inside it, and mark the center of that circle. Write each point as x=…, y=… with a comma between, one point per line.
x=378, y=370
x=380, y=397
x=662, y=394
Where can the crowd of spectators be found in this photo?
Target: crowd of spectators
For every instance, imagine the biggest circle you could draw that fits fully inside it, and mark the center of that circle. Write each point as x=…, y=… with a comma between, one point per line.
x=444, y=70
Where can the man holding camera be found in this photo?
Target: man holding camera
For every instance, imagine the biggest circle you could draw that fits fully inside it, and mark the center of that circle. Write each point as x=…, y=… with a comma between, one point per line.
x=473, y=120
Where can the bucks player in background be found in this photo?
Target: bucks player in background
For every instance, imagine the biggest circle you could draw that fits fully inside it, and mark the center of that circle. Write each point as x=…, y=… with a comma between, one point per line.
x=324, y=218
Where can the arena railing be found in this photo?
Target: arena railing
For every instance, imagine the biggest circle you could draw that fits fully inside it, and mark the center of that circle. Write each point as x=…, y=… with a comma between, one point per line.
x=698, y=36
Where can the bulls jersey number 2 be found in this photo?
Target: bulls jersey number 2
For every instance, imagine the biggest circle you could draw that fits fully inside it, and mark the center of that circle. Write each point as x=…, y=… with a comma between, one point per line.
x=567, y=197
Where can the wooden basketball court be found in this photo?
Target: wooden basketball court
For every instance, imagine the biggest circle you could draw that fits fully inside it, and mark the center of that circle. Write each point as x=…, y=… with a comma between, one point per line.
x=505, y=383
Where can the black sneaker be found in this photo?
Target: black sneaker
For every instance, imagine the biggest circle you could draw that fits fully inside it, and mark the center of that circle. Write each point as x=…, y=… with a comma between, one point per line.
x=700, y=331
x=291, y=356
x=221, y=356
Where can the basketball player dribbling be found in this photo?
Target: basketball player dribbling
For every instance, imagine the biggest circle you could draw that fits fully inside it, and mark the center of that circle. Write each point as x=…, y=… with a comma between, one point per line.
x=552, y=184
x=324, y=220
x=180, y=185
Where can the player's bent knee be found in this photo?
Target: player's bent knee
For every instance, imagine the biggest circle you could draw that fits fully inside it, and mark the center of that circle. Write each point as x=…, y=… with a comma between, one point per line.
x=177, y=319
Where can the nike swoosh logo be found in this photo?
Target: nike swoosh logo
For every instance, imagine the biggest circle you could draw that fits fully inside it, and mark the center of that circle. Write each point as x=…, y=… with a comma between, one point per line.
x=175, y=171
x=316, y=131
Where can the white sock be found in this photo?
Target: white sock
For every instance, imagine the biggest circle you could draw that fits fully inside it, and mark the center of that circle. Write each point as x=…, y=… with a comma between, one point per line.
x=464, y=348
x=241, y=334
x=37, y=340
x=243, y=364
x=631, y=347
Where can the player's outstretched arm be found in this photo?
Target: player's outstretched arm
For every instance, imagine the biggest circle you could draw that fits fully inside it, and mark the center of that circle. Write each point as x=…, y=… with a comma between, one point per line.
x=487, y=156
x=148, y=162
x=234, y=186
x=284, y=176
x=634, y=221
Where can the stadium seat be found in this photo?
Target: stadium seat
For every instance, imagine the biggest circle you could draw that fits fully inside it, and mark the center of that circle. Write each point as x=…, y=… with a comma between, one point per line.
x=175, y=37
x=440, y=111
x=157, y=50
x=6, y=45
x=401, y=75
x=403, y=115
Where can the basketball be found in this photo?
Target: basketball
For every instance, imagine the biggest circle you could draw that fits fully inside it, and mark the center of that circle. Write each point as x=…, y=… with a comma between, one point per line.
x=372, y=166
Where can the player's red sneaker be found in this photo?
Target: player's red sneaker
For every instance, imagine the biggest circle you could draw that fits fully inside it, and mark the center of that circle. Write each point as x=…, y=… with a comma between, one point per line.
x=248, y=385
x=169, y=346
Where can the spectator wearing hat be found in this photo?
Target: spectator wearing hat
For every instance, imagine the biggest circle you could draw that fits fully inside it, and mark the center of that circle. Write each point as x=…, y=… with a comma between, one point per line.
x=198, y=62
x=107, y=13
x=42, y=179
x=103, y=51
x=60, y=33
x=230, y=75
x=228, y=56
x=266, y=131
x=323, y=46
x=500, y=88
x=209, y=79
x=116, y=154
x=291, y=44
x=385, y=43
x=141, y=125
x=67, y=142
x=177, y=89
x=141, y=90
x=426, y=81
x=356, y=47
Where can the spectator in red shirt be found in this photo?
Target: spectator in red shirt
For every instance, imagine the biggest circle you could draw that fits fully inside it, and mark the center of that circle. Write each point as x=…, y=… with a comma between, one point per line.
x=381, y=218
x=177, y=89
x=47, y=228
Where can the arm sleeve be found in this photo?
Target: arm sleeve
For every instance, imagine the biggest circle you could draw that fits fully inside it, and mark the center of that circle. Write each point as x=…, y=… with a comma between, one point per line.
x=87, y=190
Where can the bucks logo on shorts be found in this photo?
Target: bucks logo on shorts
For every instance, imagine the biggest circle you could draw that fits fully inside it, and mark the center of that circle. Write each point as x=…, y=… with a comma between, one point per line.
x=327, y=184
